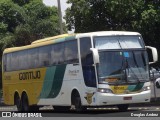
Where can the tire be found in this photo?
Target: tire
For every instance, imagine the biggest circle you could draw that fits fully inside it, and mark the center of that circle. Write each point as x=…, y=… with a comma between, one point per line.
x=25, y=103
x=17, y=102
x=157, y=85
x=61, y=108
x=78, y=105
x=123, y=107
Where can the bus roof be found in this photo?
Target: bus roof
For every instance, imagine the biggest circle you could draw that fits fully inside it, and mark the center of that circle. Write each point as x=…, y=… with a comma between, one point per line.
x=65, y=37
x=41, y=42
x=107, y=33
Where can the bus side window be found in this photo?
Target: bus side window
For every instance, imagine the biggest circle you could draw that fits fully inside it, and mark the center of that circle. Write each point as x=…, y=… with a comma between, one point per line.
x=71, y=52
x=4, y=63
x=44, y=56
x=33, y=58
x=57, y=54
x=22, y=60
x=8, y=62
x=87, y=62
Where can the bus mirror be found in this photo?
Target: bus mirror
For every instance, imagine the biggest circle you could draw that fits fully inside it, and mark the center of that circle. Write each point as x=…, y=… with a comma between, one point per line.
x=95, y=55
x=154, y=54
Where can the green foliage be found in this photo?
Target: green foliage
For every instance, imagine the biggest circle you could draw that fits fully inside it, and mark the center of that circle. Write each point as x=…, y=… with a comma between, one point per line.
x=11, y=14
x=23, y=21
x=21, y=2
x=7, y=41
x=84, y=15
x=94, y=15
x=129, y=15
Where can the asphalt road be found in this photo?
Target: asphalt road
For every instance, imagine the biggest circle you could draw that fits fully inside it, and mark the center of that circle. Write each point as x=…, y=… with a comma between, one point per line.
x=142, y=111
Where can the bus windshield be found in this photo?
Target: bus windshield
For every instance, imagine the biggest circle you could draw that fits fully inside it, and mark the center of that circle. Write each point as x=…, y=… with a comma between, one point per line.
x=123, y=67
x=123, y=59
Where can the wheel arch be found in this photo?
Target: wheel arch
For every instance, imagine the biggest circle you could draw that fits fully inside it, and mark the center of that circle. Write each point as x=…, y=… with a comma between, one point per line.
x=75, y=92
x=24, y=92
x=16, y=93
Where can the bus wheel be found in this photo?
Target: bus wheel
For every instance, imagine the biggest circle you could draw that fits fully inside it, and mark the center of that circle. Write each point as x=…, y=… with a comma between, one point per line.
x=78, y=104
x=123, y=107
x=17, y=102
x=25, y=104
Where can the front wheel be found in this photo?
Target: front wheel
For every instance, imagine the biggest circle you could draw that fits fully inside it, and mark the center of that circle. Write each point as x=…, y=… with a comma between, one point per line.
x=123, y=107
x=78, y=105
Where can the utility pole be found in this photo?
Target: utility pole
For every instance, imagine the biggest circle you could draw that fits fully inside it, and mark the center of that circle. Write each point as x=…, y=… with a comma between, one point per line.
x=60, y=16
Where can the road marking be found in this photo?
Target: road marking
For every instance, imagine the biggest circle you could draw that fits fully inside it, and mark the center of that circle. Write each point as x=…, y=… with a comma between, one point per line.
x=51, y=108
x=4, y=108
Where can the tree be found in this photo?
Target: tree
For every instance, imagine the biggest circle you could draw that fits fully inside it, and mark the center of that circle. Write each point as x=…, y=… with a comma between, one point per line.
x=24, y=21
x=42, y=21
x=27, y=20
x=129, y=15
x=84, y=15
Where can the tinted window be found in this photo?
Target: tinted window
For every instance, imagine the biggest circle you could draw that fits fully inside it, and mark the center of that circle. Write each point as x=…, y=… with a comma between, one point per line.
x=33, y=58
x=86, y=54
x=44, y=56
x=61, y=53
x=87, y=62
x=71, y=52
x=8, y=62
x=23, y=61
x=57, y=53
x=4, y=63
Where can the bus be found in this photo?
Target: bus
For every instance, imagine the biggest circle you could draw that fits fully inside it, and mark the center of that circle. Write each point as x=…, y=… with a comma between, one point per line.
x=78, y=71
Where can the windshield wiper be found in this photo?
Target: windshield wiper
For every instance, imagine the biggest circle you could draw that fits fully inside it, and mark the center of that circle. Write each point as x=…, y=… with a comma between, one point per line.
x=129, y=68
x=137, y=65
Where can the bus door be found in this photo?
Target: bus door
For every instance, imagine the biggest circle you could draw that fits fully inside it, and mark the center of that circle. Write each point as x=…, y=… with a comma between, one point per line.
x=87, y=64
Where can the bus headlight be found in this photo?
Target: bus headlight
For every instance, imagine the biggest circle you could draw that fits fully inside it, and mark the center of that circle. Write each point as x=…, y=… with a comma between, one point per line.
x=145, y=88
x=104, y=90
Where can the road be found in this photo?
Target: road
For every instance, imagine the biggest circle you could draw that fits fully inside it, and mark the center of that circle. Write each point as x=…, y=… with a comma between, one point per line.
x=48, y=111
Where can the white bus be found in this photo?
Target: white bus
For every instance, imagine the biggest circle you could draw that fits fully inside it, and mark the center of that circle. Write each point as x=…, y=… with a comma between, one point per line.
x=80, y=70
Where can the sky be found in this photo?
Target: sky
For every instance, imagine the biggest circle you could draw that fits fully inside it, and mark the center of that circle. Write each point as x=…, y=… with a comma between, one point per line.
x=64, y=5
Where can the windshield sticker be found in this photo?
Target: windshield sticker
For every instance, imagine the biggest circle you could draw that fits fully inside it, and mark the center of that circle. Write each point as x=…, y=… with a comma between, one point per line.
x=126, y=54
x=119, y=89
x=111, y=79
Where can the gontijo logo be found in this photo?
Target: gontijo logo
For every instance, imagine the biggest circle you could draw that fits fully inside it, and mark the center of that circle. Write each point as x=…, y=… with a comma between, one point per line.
x=30, y=75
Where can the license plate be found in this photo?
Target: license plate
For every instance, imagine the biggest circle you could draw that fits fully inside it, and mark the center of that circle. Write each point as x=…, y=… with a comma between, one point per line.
x=127, y=98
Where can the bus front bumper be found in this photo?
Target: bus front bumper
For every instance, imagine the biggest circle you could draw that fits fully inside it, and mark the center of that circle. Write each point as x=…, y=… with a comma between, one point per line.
x=113, y=99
